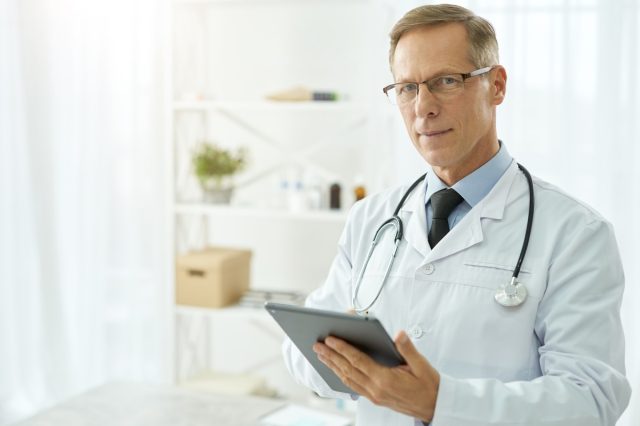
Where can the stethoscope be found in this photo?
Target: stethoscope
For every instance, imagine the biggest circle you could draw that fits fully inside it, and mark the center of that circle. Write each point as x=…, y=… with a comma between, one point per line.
x=510, y=294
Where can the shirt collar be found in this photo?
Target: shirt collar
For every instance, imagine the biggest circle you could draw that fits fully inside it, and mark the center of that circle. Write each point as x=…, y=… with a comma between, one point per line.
x=475, y=186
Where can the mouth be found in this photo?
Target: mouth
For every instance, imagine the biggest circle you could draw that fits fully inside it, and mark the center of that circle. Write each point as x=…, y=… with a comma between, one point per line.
x=435, y=133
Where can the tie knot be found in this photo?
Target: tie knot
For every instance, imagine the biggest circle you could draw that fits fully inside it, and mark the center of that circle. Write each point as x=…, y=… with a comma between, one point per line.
x=443, y=202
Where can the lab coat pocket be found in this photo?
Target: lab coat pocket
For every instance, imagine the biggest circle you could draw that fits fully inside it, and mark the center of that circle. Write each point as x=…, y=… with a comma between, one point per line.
x=479, y=336
x=494, y=265
x=492, y=274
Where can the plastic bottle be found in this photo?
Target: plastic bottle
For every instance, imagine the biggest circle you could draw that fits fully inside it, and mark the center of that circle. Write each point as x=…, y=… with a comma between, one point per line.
x=297, y=198
x=334, y=196
x=314, y=193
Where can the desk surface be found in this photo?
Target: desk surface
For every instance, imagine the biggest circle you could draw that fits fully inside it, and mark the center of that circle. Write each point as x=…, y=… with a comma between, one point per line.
x=127, y=404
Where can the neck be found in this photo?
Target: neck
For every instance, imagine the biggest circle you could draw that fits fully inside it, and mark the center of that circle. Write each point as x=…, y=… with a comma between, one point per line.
x=475, y=159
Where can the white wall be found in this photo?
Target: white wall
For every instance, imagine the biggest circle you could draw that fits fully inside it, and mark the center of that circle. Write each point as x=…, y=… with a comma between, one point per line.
x=234, y=52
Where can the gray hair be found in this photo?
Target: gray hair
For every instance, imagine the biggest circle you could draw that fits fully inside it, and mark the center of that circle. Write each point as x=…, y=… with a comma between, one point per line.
x=483, y=45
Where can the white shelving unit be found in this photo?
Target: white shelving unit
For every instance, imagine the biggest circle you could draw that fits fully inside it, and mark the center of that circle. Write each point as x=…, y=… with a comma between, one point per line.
x=245, y=106
x=278, y=147
x=227, y=56
x=329, y=216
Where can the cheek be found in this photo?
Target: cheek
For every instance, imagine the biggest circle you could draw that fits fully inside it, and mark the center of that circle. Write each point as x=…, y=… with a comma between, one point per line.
x=482, y=120
x=409, y=117
x=482, y=111
x=475, y=119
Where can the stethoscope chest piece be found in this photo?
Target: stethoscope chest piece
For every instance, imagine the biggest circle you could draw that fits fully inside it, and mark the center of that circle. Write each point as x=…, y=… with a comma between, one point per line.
x=511, y=294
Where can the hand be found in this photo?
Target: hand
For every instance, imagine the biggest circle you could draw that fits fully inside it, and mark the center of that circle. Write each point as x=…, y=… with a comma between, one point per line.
x=411, y=389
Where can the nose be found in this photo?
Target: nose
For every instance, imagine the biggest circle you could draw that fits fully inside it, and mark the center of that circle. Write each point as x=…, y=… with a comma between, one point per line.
x=426, y=105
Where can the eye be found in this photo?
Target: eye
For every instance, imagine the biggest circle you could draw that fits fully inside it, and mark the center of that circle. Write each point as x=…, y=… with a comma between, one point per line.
x=446, y=82
x=406, y=89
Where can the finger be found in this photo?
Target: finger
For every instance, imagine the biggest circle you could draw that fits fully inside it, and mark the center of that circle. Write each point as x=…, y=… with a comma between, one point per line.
x=404, y=367
x=350, y=377
x=318, y=347
x=329, y=363
x=416, y=362
x=338, y=361
x=342, y=365
x=355, y=357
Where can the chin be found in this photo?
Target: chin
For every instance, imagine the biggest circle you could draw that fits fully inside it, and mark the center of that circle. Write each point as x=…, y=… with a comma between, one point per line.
x=436, y=158
x=436, y=153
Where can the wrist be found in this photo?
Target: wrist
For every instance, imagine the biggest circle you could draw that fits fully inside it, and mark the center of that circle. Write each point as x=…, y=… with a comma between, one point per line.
x=434, y=387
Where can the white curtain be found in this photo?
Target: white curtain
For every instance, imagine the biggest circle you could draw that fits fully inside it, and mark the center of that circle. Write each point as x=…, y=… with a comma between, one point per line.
x=572, y=117
x=84, y=293
x=84, y=296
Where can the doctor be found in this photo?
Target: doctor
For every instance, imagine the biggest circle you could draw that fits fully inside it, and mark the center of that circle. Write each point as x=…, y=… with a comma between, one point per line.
x=556, y=357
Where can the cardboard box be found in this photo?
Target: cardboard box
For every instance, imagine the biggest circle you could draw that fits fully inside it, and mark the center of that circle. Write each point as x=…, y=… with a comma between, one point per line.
x=212, y=278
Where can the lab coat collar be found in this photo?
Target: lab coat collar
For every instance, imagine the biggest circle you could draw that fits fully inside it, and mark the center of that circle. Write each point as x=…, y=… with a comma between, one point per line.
x=493, y=205
x=467, y=232
x=414, y=216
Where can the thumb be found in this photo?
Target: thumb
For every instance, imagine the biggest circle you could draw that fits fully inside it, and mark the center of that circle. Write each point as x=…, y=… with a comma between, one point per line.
x=416, y=362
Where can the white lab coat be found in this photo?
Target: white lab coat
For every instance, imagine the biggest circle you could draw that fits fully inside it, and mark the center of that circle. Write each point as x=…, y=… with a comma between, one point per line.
x=558, y=359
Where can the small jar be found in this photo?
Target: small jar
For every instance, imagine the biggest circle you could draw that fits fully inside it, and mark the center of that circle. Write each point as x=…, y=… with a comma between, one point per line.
x=334, y=196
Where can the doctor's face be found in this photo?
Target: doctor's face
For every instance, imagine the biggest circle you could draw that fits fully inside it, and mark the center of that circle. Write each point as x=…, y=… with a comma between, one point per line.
x=454, y=132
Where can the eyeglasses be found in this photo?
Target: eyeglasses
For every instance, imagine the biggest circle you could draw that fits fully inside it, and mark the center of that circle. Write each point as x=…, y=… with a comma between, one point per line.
x=440, y=86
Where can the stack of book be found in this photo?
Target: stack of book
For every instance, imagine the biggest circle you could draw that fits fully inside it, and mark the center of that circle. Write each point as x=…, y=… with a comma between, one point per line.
x=257, y=298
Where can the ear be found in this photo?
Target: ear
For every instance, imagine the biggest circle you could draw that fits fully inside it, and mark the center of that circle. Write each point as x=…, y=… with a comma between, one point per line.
x=499, y=84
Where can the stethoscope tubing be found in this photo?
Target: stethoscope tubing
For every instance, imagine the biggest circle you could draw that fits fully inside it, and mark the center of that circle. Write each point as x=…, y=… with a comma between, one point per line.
x=396, y=222
x=527, y=233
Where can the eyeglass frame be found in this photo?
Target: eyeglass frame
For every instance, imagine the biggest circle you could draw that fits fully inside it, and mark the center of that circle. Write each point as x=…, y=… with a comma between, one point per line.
x=464, y=76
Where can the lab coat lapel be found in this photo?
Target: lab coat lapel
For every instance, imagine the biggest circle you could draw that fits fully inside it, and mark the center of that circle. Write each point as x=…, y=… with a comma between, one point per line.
x=468, y=232
x=414, y=218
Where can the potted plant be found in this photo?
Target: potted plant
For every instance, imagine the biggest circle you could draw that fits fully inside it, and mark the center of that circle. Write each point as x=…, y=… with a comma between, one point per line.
x=214, y=166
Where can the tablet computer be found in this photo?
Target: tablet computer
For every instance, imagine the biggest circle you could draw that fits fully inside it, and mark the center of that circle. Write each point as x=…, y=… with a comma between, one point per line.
x=305, y=326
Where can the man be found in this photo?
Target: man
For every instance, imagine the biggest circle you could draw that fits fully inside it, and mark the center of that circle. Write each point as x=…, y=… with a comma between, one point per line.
x=557, y=358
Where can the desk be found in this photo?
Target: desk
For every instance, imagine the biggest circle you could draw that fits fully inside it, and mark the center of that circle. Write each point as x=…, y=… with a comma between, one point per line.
x=127, y=404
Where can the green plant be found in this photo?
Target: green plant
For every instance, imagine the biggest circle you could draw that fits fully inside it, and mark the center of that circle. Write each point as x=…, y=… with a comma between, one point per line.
x=210, y=162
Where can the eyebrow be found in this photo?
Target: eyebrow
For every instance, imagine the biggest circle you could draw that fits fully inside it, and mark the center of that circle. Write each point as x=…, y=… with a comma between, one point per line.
x=445, y=71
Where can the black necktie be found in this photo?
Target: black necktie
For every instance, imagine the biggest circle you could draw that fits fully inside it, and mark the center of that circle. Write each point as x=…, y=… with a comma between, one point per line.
x=442, y=202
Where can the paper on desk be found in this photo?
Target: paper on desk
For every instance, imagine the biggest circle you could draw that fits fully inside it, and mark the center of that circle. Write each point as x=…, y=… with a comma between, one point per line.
x=296, y=415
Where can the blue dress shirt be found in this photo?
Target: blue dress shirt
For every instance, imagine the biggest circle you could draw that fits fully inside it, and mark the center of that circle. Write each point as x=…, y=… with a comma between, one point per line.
x=473, y=187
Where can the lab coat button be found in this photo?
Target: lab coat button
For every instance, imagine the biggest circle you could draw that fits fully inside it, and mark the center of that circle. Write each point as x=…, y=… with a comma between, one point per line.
x=428, y=269
x=416, y=332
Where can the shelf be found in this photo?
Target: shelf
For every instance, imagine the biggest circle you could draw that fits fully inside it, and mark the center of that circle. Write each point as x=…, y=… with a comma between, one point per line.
x=326, y=106
x=205, y=2
x=258, y=213
x=233, y=311
x=236, y=2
